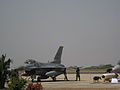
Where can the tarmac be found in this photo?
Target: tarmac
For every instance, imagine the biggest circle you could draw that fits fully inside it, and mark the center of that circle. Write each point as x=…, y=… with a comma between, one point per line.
x=86, y=83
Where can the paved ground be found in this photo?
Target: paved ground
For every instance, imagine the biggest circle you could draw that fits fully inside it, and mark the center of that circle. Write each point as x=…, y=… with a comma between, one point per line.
x=86, y=83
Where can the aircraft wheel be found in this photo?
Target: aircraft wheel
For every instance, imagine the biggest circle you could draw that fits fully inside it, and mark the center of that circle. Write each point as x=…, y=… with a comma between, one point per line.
x=54, y=78
x=38, y=79
x=32, y=80
x=33, y=77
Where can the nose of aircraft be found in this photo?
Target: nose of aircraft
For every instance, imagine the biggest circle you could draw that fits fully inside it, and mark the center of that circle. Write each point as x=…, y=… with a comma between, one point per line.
x=20, y=68
x=113, y=69
x=23, y=67
x=116, y=69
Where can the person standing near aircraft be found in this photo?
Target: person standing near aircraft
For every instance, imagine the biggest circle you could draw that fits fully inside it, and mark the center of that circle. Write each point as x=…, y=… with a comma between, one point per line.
x=77, y=74
x=65, y=74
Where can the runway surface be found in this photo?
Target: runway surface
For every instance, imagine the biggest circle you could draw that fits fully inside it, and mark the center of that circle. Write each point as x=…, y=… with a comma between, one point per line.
x=86, y=83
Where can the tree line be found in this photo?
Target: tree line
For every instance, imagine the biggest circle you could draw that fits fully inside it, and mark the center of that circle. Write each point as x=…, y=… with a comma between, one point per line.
x=16, y=83
x=106, y=66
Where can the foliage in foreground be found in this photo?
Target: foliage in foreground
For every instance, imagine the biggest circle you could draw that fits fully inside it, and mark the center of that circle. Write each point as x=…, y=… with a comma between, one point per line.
x=16, y=83
x=4, y=66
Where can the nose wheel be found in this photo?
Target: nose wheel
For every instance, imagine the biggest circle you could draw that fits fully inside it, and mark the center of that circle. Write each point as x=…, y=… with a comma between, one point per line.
x=33, y=77
x=53, y=78
x=38, y=79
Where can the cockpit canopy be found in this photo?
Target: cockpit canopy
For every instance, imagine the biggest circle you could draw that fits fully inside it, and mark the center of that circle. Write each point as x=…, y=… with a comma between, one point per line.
x=30, y=61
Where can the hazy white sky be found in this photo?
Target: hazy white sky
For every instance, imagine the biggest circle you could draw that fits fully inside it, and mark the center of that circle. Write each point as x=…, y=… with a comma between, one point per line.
x=89, y=30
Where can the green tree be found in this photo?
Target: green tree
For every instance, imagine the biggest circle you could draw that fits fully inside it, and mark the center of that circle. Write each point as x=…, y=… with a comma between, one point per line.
x=4, y=65
x=107, y=66
x=16, y=83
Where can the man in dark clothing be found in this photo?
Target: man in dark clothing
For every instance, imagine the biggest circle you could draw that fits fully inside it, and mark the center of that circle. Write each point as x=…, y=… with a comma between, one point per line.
x=77, y=74
x=65, y=74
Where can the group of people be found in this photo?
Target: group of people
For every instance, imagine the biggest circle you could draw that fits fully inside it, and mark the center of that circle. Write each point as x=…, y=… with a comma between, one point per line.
x=77, y=74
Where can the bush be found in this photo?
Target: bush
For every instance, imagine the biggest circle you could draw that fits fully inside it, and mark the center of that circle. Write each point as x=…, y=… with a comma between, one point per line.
x=35, y=86
x=16, y=83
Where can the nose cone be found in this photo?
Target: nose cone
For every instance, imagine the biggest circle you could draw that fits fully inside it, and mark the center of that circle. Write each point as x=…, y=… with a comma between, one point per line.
x=20, y=68
x=25, y=67
x=116, y=69
x=113, y=70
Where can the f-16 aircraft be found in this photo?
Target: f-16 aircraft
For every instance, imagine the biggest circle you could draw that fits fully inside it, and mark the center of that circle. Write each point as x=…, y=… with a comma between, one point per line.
x=116, y=68
x=45, y=70
x=112, y=73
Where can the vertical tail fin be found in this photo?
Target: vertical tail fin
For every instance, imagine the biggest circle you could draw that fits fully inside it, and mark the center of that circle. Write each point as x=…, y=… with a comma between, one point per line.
x=57, y=58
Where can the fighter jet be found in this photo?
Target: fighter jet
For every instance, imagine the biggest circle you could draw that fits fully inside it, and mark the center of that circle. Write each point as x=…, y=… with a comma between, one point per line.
x=112, y=73
x=116, y=68
x=45, y=70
